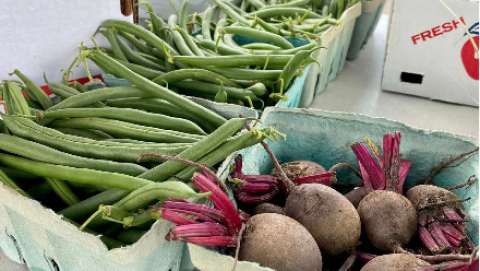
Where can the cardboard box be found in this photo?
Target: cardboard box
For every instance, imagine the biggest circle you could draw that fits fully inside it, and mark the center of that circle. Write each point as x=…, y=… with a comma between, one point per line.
x=431, y=52
x=43, y=36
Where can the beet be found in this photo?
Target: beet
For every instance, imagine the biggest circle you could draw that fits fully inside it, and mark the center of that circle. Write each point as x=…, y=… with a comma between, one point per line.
x=300, y=168
x=279, y=242
x=356, y=195
x=394, y=262
x=268, y=208
x=327, y=214
x=389, y=219
x=441, y=221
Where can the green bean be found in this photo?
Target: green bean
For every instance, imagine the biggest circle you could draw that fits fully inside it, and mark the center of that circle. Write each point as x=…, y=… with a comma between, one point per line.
x=190, y=42
x=198, y=149
x=196, y=87
x=18, y=174
x=164, y=49
x=235, y=61
x=157, y=90
x=150, y=57
x=259, y=35
x=183, y=14
x=4, y=179
x=284, y=12
x=92, y=134
x=42, y=153
x=220, y=48
x=128, y=140
x=86, y=147
x=14, y=100
x=206, y=23
x=267, y=26
x=153, y=105
x=295, y=3
x=34, y=91
x=248, y=74
x=62, y=90
x=63, y=191
x=136, y=57
x=158, y=25
x=261, y=46
x=119, y=128
x=97, y=95
x=141, y=197
x=138, y=44
x=340, y=7
x=230, y=12
x=142, y=70
x=111, y=36
x=177, y=37
x=216, y=156
x=307, y=46
x=259, y=4
x=195, y=74
x=258, y=89
x=87, y=206
x=300, y=58
x=129, y=115
x=75, y=175
x=235, y=8
x=130, y=236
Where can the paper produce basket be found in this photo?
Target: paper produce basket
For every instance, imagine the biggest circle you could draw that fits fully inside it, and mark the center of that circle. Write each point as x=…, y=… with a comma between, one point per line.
x=331, y=60
x=39, y=238
x=325, y=137
x=365, y=25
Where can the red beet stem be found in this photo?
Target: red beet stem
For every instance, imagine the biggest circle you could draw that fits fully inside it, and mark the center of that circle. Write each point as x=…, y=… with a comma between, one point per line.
x=198, y=230
x=195, y=216
x=404, y=169
x=326, y=178
x=391, y=160
x=365, y=257
x=220, y=200
x=251, y=198
x=450, y=230
x=370, y=169
x=257, y=187
x=260, y=179
x=175, y=217
x=428, y=240
x=449, y=266
x=213, y=241
x=452, y=214
x=438, y=235
x=237, y=171
x=195, y=207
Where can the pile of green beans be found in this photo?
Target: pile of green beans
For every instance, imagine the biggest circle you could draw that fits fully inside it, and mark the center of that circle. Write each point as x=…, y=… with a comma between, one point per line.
x=247, y=54
x=93, y=148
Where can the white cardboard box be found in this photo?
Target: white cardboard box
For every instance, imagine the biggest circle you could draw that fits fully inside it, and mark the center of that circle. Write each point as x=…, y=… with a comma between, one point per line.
x=429, y=53
x=44, y=35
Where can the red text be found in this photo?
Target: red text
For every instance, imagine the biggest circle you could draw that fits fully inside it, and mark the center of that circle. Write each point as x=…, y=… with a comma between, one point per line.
x=437, y=31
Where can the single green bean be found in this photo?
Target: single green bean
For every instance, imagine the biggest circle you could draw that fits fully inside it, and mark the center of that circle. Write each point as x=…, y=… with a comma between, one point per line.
x=98, y=95
x=177, y=37
x=190, y=42
x=142, y=70
x=92, y=134
x=301, y=58
x=42, y=153
x=34, y=91
x=125, y=129
x=295, y=3
x=194, y=74
x=63, y=191
x=284, y=12
x=136, y=57
x=76, y=175
x=231, y=12
x=138, y=44
x=111, y=36
x=158, y=25
x=248, y=74
x=260, y=46
x=129, y=115
x=196, y=87
x=259, y=4
x=62, y=90
x=87, y=206
x=15, y=102
x=207, y=24
x=198, y=149
x=235, y=61
x=7, y=181
x=183, y=14
x=220, y=48
x=259, y=35
x=154, y=89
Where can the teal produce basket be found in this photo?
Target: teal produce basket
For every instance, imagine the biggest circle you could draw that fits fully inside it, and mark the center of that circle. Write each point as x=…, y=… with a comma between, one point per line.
x=325, y=137
x=331, y=60
x=365, y=25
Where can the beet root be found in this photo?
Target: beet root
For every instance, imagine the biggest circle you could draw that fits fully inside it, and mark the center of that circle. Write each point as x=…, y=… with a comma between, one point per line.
x=389, y=219
x=327, y=214
x=394, y=262
x=300, y=168
x=279, y=242
x=356, y=195
x=441, y=221
x=268, y=208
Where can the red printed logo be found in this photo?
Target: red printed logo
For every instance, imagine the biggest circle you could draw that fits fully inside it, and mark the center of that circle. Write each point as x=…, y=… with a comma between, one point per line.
x=470, y=53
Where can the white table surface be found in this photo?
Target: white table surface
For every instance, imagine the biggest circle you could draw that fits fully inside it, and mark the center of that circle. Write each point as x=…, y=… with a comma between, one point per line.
x=357, y=89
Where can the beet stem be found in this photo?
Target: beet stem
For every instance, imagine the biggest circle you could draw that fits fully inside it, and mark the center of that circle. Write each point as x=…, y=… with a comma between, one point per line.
x=428, y=240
